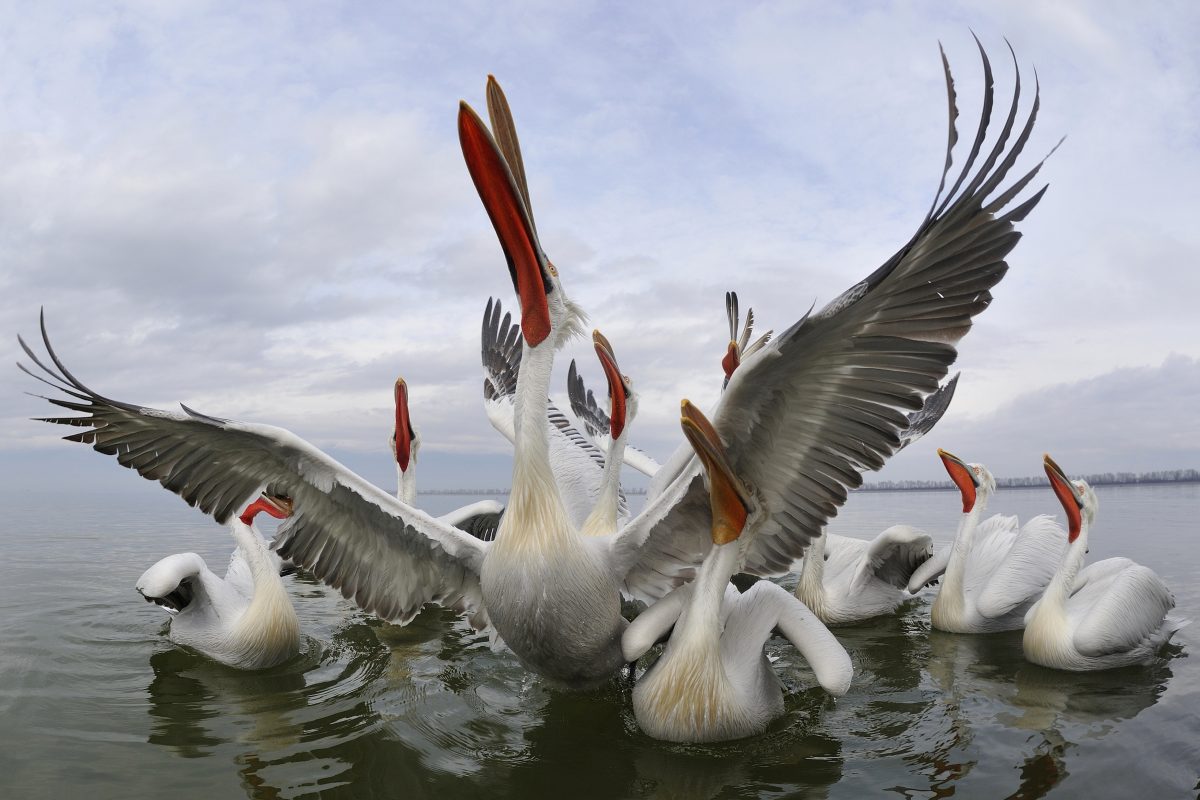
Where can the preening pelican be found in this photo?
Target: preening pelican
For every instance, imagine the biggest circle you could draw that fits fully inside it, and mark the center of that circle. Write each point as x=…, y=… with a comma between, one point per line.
x=480, y=519
x=800, y=420
x=248, y=627
x=1109, y=614
x=843, y=579
x=713, y=681
x=993, y=571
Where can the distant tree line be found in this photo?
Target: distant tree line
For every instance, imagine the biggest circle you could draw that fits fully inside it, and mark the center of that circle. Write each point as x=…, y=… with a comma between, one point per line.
x=1098, y=479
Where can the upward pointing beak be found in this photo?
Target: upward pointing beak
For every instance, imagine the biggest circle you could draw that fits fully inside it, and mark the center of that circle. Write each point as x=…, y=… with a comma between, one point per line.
x=403, y=432
x=963, y=478
x=731, y=361
x=510, y=216
x=616, y=384
x=728, y=497
x=1072, y=503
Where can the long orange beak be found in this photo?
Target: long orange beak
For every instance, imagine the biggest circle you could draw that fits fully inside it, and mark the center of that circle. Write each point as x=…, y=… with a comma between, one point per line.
x=616, y=384
x=1067, y=495
x=527, y=264
x=960, y=473
x=728, y=497
x=404, y=431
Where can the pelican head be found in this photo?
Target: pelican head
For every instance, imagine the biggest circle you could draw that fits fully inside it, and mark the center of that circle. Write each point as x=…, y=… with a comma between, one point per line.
x=546, y=312
x=730, y=499
x=1078, y=499
x=405, y=439
x=622, y=399
x=971, y=479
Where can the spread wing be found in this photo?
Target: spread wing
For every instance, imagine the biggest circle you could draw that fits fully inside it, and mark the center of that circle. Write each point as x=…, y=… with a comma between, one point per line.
x=1118, y=609
x=596, y=423
x=386, y=556
x=935, y=407
x=829, y=398
x=1025, y=570
x=577, y=463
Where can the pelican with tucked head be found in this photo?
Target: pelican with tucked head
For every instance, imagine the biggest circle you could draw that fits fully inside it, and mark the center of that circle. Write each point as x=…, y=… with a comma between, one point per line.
x=248, y=625
x=1109, y=614
x=713, y=682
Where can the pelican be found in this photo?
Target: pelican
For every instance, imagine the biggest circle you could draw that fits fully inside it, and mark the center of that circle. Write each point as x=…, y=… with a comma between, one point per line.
x=740, y=347
x=623, y=404
x=994, y=571
x=244, y=626
x=480, y=518
x=577, y=461
x=843, y=579
x=713, y=681
x=596, y=421
x=1109, y=614
x=800, y=420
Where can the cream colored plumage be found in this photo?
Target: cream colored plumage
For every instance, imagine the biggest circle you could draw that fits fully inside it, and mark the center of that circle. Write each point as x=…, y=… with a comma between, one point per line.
x=248, y=627
x=1109, y=614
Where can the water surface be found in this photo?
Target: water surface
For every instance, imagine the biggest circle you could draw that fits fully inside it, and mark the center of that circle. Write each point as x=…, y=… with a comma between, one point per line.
x=97, y=702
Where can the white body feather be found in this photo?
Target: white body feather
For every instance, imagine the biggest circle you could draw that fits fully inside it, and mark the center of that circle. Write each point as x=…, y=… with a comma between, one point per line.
x=244, y=626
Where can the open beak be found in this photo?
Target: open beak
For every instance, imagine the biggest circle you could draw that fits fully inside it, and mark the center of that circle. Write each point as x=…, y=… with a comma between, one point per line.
x=727, y=494
x=617, y=397
x=527, y=264
x=277, y=506
x=404, y=432
x=963, y=478
x=1067, y=494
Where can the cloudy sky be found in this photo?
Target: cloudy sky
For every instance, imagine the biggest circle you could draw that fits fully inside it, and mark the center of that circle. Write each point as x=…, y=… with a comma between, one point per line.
x=261, y=210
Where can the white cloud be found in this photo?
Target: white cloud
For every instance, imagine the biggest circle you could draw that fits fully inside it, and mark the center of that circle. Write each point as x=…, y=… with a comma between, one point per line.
x=261, y=210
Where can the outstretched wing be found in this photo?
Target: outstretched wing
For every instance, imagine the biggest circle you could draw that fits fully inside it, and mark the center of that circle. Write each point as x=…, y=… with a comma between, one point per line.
x=386, y=556
x=578, y=464
x=596, y=423
x=802, y=418
x=922, y=422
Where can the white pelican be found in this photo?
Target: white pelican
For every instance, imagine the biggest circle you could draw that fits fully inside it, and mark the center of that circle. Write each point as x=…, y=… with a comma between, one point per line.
x=800, y=420
x=713, y=681
x=623, y=404
x=596, y=421
x=843, y=579
x=479, y=519
x=993, y=571
x=577, y=462
x=244, y=626
x=1109, y=614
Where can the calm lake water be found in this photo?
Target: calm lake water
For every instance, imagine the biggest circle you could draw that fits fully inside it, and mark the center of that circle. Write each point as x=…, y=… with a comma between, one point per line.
x=97, y=703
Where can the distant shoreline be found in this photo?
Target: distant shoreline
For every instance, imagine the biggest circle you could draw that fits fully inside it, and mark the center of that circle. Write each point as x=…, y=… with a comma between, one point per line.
x=1104, y=479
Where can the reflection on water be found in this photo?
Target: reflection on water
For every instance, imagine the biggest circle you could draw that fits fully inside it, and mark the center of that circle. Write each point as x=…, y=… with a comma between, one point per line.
x=97, y=700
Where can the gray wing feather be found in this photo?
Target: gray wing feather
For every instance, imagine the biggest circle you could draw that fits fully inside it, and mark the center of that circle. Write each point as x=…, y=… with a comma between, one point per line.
x=387, y=557
x=829, y=398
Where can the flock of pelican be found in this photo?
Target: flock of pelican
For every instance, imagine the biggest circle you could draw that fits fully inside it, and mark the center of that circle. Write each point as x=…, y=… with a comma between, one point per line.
x=750, y=489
